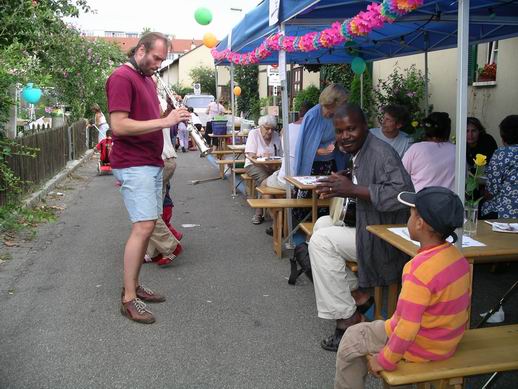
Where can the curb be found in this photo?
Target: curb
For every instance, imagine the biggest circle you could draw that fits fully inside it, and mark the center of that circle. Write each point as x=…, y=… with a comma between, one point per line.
x=51, y=184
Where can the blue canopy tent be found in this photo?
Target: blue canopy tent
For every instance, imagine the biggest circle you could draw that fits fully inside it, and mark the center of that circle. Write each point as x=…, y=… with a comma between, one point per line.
x=431, y=27
x=436, y=25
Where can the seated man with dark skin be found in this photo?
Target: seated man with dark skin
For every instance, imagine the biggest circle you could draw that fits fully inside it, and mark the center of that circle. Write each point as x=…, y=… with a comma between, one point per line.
x=378, y=176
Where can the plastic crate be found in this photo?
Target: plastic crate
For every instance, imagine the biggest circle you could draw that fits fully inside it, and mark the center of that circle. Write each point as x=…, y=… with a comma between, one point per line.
x=219, y=127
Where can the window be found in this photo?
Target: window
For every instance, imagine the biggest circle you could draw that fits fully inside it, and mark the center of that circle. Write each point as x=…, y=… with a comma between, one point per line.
x=492, y=52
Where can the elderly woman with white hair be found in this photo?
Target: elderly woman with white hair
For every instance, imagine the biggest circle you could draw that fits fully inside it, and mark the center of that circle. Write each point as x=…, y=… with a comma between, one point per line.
x=262, y=142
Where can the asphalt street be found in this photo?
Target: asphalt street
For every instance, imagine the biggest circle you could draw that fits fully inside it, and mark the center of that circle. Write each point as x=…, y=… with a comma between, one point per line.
x=230, y=320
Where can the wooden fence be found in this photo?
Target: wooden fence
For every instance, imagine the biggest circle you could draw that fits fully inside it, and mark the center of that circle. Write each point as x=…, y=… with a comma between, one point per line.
x=57, y=147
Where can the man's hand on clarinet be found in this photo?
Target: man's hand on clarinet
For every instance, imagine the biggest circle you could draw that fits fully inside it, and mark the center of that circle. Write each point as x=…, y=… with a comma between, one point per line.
x=176, y=116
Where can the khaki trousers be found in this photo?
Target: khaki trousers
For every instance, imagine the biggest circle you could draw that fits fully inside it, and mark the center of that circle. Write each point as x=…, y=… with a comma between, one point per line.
x=162, y=241
x=329, y=247
x=169, y=168
x=358, y=341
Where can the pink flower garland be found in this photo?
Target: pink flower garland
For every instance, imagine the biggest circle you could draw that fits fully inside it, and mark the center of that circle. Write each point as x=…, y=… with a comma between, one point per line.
x=360, y=25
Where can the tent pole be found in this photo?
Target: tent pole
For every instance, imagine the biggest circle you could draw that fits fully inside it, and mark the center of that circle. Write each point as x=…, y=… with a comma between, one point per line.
x=285, y=135
x=233, y=102
x=462, y=102
x=216, y=81
x=361, y=90
x=426, y=71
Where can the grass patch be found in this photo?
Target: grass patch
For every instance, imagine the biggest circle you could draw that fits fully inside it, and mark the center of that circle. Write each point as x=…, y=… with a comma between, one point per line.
x=15, y=218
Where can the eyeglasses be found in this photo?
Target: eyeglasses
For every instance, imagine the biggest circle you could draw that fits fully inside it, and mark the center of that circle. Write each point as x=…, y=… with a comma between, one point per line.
x=267, y=128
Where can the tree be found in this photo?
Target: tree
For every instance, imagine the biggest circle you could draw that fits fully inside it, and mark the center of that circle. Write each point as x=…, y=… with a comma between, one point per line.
x=37, y=46
x=341, y=74
x=368, y=100
x=406, y=88
x=310, y=94
x=206, y=77
x=248, y=103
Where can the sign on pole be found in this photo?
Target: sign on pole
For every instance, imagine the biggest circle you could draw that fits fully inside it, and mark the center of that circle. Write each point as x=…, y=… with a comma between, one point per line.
x=274, y=12
x=274, y=78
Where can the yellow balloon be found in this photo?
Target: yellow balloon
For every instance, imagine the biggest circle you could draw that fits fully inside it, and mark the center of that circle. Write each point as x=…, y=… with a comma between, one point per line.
x=210, y=40
x=237, y=91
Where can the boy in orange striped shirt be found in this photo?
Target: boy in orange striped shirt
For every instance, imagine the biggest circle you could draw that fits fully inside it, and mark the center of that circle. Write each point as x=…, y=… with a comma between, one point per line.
x=432, y=309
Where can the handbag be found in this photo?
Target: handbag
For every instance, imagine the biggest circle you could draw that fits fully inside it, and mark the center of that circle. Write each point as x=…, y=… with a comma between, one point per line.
x=300, y=258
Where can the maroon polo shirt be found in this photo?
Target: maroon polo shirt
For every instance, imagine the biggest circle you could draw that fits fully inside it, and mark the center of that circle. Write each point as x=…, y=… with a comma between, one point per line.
x=129, y=91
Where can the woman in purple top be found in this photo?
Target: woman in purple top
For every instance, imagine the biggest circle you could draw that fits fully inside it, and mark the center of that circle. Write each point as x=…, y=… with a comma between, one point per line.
x=432, y=162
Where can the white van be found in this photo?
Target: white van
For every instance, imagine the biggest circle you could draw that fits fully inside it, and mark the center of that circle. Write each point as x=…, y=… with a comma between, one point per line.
x=199, y=103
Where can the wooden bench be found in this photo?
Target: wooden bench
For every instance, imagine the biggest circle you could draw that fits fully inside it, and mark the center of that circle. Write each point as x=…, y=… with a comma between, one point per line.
x=222, y=153
x=249, y=184
x=481, y=351
x=392, y=292
x=278, y=206
x=269, y=191
x=223, y=162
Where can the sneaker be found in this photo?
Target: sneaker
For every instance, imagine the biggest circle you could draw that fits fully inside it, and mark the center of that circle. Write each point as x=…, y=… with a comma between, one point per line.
x=183, y=150
x=148, y=259
x=166, y=261
x=269, y=231
x=147, y=295
x=332, y=342
x=136, y=310
x=257, y=219
x=178, y=250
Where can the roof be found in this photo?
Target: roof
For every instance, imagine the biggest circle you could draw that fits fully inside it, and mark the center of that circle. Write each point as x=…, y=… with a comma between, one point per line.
x=184, y=45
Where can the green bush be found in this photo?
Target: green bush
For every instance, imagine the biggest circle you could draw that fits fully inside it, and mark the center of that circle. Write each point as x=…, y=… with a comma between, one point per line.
x=355, y=95
x=406, y=88
x=248, y=102
x=206, y=77
x=310, y=94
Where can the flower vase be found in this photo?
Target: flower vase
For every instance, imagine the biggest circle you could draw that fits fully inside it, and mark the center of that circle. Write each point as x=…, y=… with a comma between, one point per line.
x=470, y=220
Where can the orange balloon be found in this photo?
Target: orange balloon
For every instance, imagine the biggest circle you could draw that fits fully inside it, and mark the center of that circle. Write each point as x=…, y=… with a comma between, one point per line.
x=237, y=91
x=210, y=40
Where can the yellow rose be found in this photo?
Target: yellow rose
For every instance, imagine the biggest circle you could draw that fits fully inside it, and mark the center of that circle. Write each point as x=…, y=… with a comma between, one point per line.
x=415, y=123
x=480, y=160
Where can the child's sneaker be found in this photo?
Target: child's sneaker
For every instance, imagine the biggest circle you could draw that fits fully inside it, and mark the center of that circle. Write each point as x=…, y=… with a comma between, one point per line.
x=166, y=261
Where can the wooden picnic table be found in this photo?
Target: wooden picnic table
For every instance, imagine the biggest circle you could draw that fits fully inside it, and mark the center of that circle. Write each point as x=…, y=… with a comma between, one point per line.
x=274, y=163
x=236, y=147
x=499, y=246
x=222, y=138
x=295, y=181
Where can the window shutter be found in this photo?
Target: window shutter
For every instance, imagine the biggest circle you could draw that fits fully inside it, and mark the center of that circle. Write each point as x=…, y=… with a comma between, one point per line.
x=472, y=64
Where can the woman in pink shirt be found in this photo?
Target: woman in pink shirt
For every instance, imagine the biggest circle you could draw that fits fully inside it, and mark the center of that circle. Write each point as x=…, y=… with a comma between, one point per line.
x=432, y=162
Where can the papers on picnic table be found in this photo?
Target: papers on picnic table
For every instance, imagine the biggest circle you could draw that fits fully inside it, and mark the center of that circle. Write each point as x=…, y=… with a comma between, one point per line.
x=504, y=227
x=272, y=158
x=466, y=240
x=308, y=180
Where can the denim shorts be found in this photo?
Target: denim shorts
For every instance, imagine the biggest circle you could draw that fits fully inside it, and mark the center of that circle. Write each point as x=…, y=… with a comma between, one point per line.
x=141, y=189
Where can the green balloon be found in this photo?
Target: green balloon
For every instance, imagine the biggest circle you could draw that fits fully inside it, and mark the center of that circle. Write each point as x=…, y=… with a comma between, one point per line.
x=203, y=16
x=358, y=65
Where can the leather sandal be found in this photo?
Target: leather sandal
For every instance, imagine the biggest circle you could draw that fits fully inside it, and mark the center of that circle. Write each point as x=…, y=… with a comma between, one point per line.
x=332, y=342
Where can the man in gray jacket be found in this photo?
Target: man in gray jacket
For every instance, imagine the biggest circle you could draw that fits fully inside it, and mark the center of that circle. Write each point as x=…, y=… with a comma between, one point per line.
x=377, y=177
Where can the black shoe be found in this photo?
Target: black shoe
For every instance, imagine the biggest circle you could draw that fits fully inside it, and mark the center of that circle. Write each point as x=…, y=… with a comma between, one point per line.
x=332, y=342
x=269, y=231
x=366, y=306
x=183, y=150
